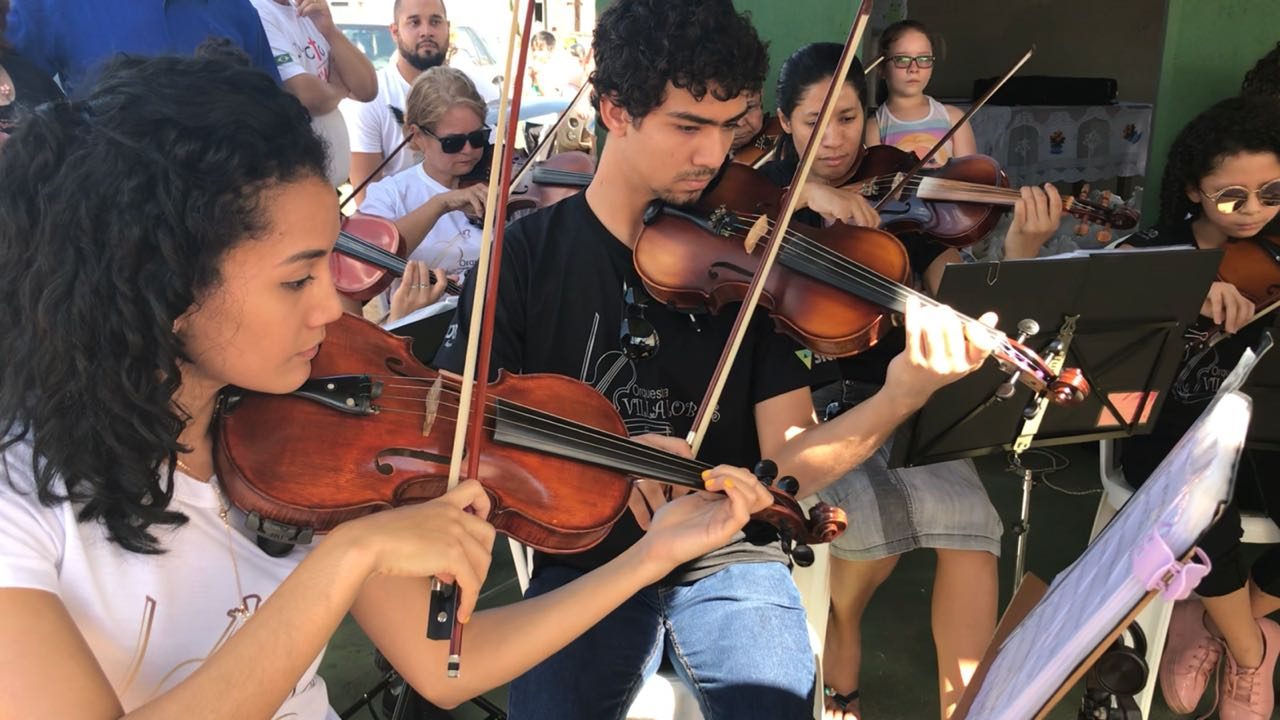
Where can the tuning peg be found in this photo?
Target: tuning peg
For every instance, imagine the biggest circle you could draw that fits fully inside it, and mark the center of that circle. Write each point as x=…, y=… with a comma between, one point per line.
x=802, y=555
x=1027, y=328
x=766, y=471
x=789, y=485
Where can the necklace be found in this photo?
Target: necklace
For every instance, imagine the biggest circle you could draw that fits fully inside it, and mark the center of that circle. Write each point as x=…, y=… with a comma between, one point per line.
x=241, y=611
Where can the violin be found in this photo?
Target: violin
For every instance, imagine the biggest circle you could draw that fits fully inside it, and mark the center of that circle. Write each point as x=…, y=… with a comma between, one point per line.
x=1253, y=266
x=832, y=286
x=958, y=203
x=760, y=149
x=554, y=456
x=551, y=180
x=369, y=254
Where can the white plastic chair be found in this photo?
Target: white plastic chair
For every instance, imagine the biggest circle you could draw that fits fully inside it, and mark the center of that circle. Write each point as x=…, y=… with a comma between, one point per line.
x=664, y=696
x=1154, y=619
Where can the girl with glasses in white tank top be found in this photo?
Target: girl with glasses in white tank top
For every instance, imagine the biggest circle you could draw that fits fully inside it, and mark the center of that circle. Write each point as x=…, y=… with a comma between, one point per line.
x=907, y=118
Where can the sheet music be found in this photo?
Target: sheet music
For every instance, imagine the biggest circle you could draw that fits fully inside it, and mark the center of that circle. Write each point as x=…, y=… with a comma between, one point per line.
x=1091, y=597
x=447, y=304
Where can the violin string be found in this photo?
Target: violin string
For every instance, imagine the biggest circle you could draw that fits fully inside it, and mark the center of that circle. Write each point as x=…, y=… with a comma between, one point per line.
x=657, y=462
x=627, y=447
x=965, y=191
x=867, y=277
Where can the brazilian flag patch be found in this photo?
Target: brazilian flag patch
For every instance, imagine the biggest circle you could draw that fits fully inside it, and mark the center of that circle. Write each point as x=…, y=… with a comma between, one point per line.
x=284, y=59
x=806, y=357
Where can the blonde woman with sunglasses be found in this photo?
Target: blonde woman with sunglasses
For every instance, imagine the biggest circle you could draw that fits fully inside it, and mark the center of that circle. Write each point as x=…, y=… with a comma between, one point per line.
x=907, y=118
x=445, y=120
x=1221, y=184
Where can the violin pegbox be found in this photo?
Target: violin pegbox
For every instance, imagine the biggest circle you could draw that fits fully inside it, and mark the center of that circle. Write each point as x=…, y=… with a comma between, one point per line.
x=823, y=523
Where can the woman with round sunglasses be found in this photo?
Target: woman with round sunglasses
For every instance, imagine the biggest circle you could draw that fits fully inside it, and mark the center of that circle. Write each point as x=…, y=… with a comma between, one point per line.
x=907, y=118
x=444, y=119
x=1221, y=183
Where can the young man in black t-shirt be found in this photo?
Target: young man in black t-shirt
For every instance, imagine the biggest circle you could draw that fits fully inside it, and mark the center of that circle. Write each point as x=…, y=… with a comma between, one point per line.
x=669, y=83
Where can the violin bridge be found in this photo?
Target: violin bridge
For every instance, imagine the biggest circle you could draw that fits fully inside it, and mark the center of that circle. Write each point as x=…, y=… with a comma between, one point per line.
x=757, y=231
x=432, y=406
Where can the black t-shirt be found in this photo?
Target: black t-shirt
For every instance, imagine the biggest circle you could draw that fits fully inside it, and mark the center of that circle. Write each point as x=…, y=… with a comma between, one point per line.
x=1195, y=385
x=31, y=87
x=869, y=366
x=560, y=308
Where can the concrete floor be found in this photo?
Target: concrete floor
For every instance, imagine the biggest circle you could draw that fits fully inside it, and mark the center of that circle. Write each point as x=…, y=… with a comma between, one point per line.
x=899, y=677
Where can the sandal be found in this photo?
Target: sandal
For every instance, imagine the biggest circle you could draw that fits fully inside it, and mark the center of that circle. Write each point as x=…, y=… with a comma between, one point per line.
x=840, y=701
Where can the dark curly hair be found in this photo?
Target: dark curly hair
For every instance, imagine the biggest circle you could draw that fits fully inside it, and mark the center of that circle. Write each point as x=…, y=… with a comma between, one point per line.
x=4, y=25
x=1264, y=78
x=698, y=45
x=1236, y=125
x=115, y=214
x=811, y=64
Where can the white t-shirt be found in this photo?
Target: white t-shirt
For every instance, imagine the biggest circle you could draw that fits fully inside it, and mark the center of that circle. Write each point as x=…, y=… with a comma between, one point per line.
x=299, y=47
x=150, y=620
x=453, y=244
x=373, y=129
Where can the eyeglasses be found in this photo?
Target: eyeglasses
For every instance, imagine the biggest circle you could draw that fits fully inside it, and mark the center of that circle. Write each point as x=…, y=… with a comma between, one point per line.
x=452, y=144
x=902, y=62
x=1232, y=199
x=638, y=337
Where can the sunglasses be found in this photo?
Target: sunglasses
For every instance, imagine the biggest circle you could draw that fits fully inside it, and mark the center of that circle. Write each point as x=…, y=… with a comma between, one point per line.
x=637, y=335
x=1232, y=199
x=452, y=144
x=902, y=62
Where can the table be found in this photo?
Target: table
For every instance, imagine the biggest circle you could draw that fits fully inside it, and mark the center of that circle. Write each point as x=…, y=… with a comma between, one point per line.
x=1036, y=144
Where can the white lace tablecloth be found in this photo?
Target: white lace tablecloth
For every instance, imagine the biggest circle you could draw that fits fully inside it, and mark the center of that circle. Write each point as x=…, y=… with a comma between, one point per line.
x=1065, y=143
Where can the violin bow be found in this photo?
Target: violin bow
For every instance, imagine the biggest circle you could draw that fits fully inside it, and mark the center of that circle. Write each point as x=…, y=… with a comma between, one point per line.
x=702, y=422
x=975, y=107
x=549, y=136
x=475, y=373
x=398, y=114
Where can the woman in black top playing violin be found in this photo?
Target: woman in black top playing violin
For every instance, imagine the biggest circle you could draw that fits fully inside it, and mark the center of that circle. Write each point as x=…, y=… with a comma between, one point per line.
x=941, y=506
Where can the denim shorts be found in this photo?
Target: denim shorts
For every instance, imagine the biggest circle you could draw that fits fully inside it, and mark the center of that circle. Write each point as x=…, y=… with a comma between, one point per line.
x=892, y=511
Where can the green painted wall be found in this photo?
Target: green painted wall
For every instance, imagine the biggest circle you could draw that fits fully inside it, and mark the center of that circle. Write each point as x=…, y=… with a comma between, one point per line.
x=1208, y=47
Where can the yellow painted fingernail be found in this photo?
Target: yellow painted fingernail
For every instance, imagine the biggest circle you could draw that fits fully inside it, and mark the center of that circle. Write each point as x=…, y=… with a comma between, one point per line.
x=728, y=483
x=706, y=474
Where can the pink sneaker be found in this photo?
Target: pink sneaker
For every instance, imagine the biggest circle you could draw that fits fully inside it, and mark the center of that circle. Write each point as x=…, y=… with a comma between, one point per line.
x=1247, y=694
x=1191, y=655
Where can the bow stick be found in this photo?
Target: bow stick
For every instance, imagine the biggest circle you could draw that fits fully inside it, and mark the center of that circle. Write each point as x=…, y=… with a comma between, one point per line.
x=893, y=191
x=702, y=422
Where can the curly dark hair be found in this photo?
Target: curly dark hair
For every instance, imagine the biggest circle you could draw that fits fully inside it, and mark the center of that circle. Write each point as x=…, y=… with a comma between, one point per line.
x=698, y=45
x=117, y=211
x=1264, y=78
x=811, y=64
x=4, y=25
x=1236, y=125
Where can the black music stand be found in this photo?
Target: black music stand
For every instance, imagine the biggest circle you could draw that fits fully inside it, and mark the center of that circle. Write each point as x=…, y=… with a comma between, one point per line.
x=1264, y=387
x=1121, y=316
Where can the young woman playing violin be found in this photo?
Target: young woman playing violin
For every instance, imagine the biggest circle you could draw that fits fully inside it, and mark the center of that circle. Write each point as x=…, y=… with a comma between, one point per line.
x=941, y=506
x=444, y=116
x=907, y=118
x=1221, y=186
x=669, y=83
x=127, y=586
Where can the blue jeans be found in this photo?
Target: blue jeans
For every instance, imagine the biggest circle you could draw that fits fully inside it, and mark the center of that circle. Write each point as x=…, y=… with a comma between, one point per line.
x=738, y=638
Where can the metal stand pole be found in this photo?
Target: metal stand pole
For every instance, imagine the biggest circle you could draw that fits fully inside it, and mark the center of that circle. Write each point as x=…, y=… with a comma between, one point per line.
x=1022, y=528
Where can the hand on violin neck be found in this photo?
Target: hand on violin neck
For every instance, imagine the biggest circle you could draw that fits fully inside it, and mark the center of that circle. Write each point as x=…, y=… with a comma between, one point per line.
x=1036, y=216
x=647, y=496
x=446, y=538
x=844, y=204
x=469, y=199
x=1227, y=307
x=941, y=348
x=419, y=287
x=695, y=524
